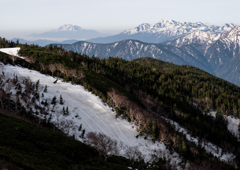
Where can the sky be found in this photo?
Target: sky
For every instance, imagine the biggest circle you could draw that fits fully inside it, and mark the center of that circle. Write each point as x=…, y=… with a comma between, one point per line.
x=24, y=17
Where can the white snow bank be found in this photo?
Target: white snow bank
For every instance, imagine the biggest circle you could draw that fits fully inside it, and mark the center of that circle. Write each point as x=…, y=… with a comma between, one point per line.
x=233, y=124
x=11, y=51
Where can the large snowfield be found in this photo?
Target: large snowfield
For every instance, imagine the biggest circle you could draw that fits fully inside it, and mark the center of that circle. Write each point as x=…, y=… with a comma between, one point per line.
x=86, y=109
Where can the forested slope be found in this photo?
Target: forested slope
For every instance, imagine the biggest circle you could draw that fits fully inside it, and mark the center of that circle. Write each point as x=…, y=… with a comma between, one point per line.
x=149, y=92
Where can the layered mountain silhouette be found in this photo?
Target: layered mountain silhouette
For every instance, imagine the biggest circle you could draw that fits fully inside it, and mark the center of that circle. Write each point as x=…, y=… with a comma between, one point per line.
x=69, y=31
x=218, y=54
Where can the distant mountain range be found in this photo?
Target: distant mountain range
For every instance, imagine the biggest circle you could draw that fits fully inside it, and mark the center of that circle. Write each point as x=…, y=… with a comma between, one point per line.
x=69, y=31
x=218, y=54
x=164, y=30
x=214, y=49
x=43, y=42
x=132, y=49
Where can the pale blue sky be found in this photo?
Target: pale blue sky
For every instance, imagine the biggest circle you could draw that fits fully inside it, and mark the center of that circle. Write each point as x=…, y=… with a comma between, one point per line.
x=21, y=17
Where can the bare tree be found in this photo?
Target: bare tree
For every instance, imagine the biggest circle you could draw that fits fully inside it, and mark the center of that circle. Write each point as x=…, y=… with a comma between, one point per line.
x=81, y=74
x=133, y=154
x=16, y=99
x=52, y=68
x=1, y=67
x=162, y=137
x=106, y=146
x=158, y=155
x=13, y=57
x=30, y=59
x=43, y=66
x=72, y=73
x=3, y=94
x=84, y=64
x=61, y=68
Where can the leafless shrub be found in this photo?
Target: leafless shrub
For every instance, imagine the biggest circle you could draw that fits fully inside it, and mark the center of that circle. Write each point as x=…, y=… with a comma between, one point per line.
x=104, y=144
x=80, y=75
x=52, y=68
x=30, y=59
x=1, y=68
x=43, y=66
x=3, y=94
x=84, y=64
x=61, y=68
x=133, y=154
x=13, y=57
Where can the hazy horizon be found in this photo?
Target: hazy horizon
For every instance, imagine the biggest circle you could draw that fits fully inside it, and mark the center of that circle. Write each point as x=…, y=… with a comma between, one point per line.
x=21, y=18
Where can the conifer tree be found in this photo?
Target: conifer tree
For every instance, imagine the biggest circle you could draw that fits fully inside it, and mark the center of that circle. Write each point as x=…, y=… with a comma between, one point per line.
x=37, y=84
x=80, y=128
x=61, y=100
x=50, y=47
x=15, y=79
x=45, y=89
x=63, y=110
x=53, y=100
x=67, y=112
x=239, y=127
x=83, y=133
x=49, y=119
x=45, y=103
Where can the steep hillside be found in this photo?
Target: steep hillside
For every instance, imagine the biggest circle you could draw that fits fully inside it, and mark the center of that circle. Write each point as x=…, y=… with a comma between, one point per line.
x=165, y=103
x=149, y=104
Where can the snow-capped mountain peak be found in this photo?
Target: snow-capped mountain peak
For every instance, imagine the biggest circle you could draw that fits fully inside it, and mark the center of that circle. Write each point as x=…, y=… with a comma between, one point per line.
x=167, y=30
x=233, y=35
x=167, y=22
x=233, y=32
x=227, y=27
x=198, y=37
x=68, y=27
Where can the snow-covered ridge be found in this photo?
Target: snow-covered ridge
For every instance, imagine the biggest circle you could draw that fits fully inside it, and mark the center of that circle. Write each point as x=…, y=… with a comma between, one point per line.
x=208, y=38
x=67, y=27
x=172, y=27
x=199, y=37
x=233, y=35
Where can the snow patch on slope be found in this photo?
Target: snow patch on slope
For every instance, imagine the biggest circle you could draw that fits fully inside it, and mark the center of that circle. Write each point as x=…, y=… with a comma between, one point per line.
x=88, y=110
x=11, y=51
x=208, y=146
x=233, y=123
